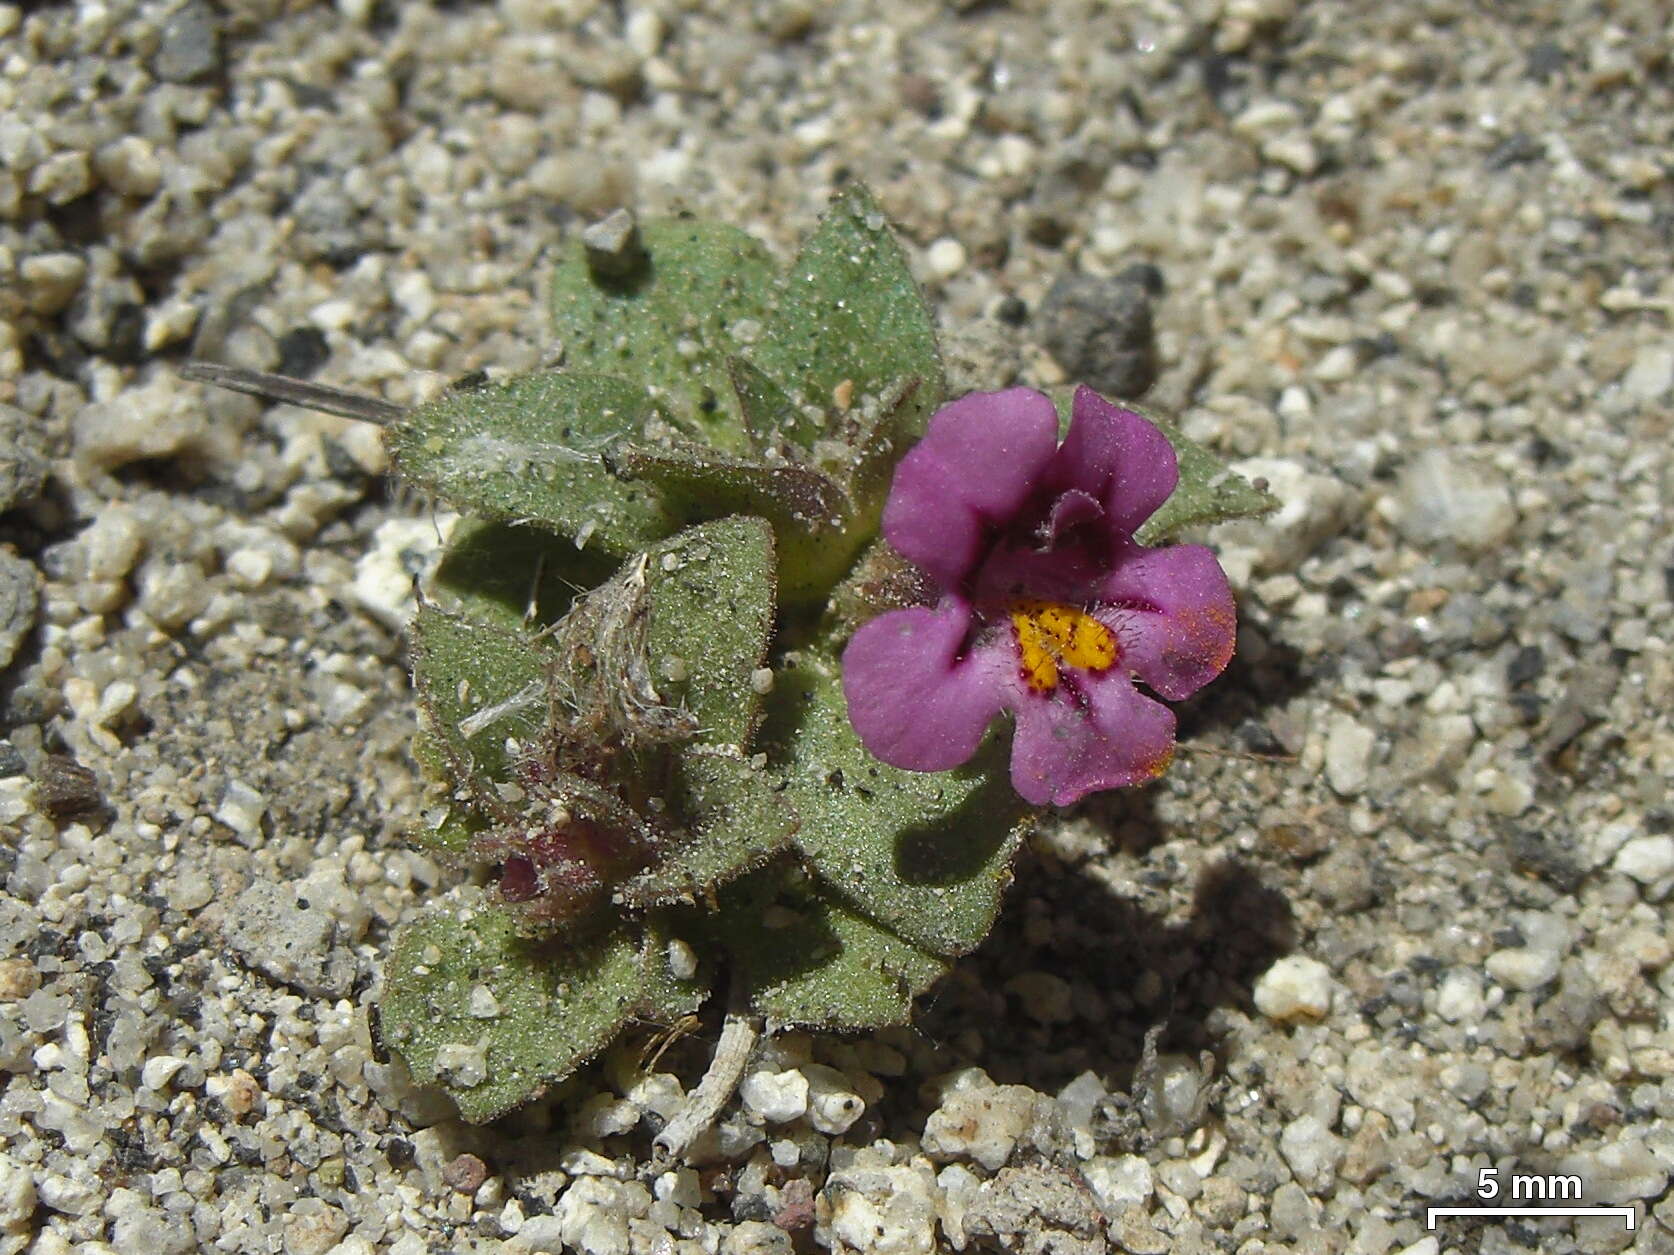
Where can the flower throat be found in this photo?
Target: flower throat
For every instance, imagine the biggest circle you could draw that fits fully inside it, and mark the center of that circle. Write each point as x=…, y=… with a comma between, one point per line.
x=1050, y=633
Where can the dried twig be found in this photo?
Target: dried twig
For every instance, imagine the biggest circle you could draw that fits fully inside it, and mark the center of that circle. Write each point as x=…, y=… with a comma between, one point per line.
x=311, y=396
x=739, y=1032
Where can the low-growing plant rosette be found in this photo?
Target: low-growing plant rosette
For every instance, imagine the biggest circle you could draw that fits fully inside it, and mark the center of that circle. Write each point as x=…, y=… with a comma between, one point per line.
x=637, y=709
x=1049, y=607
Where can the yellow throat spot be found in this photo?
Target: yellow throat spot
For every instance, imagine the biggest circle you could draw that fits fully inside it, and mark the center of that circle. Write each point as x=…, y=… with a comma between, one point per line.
x=1050, y=633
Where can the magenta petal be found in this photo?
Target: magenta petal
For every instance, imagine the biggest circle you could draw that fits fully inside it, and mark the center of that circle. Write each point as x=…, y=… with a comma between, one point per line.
x=1068, y=574
x=1065, y=750
x=975, y=468
x=1117, y=457
x=1173, y=615
x=1071, y=509
x=913, y=700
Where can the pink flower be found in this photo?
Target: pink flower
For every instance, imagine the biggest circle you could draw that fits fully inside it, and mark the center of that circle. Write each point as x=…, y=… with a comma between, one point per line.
x=1048, y=607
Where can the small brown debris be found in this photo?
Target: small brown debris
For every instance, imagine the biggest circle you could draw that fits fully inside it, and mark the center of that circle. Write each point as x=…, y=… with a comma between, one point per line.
x=1426, y=601
x=1299, y=841
x=243, y=1093
x=1600, y=1115
x=65, y=789
x=465, y=1173
x=796, y=1205
x=18, y=979
x=920, y=93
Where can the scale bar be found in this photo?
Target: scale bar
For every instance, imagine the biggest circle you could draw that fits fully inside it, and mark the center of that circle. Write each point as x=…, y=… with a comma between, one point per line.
x=1431, y=1213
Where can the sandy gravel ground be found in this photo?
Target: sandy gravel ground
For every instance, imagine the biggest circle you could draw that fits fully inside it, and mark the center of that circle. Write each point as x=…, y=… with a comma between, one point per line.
x=1397, y=918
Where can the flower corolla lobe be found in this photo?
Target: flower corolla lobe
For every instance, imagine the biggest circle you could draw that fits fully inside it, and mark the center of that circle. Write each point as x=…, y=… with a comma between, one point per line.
x=1049, y=608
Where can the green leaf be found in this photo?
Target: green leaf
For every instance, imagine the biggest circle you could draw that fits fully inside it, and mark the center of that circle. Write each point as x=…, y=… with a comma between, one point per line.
x=711, y=592
x=534, y=449
x=808, y=961
x=880, y=581
x=738, y=818
x=696, y=479
x=849, y=324
x=700, y=297
x=447, y=825
x=498, y=572
x=1209, y=492
x=495, y=1018
x=762, y=404
x=926, y=854
x=807, y=510
x=478, y=684
x=666, y=994
x=451, y=833
x=881, y=438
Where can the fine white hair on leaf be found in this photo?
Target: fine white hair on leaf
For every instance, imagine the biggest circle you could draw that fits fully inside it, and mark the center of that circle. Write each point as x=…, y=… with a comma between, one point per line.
x=486, y=454
x=600, y=683
x=531, y=694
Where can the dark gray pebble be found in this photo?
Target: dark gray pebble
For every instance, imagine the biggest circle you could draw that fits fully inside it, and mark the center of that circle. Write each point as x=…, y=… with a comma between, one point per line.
x=1100, y=331
x=19, y=599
